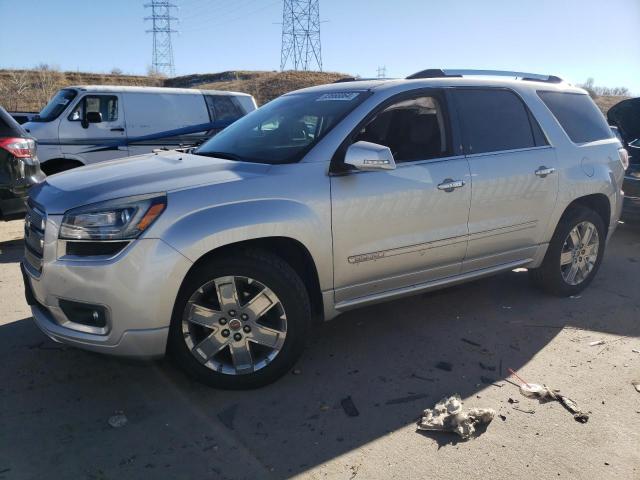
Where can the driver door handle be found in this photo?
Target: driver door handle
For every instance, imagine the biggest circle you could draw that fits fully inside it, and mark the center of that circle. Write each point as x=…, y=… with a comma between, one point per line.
x=450, y=185
x=117, y=129
x=544, y=171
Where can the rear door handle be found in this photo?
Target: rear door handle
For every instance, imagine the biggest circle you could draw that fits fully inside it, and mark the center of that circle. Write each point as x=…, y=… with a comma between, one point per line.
x=117, y=129
x=544, y=171
x=450, y=185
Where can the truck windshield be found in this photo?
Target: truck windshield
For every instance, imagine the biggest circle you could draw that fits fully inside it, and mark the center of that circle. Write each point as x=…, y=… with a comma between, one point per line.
x=283, y=130
x=56, y=106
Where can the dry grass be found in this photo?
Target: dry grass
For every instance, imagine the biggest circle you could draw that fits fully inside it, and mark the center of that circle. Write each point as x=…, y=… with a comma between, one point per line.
x=29, y=90
x=606, y=102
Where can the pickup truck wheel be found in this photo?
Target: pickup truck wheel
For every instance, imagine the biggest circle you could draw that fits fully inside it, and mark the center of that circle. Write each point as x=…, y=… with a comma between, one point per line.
x=574, y=254
x=240, y=322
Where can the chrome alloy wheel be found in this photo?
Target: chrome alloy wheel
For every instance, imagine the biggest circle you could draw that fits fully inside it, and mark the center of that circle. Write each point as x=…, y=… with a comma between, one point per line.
x=579, y=253
x=234, y=325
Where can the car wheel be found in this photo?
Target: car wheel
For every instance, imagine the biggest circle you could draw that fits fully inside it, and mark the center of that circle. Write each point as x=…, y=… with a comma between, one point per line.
x=574, y=254
x=240, y=322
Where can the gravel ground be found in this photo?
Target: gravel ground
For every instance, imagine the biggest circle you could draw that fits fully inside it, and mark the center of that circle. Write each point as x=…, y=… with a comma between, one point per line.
x=56, y=401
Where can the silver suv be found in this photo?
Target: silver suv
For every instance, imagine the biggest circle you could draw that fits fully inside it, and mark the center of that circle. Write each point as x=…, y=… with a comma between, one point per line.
x=324, y=200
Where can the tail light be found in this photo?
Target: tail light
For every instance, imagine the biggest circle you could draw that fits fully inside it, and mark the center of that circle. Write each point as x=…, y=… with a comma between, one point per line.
x=624, y=157
x=19, y=147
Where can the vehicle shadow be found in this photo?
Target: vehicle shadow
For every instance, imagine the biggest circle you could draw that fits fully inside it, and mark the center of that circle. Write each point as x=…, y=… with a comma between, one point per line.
x=11, y=251
x=392, y=360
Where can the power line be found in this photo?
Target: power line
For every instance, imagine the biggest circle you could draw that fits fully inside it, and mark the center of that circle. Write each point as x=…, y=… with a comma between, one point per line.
x=225, y=21
x=161, y=18
x=301, y=47
x=212, y=11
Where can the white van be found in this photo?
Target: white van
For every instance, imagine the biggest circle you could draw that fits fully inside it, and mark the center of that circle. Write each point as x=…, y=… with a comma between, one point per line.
x=89, y=124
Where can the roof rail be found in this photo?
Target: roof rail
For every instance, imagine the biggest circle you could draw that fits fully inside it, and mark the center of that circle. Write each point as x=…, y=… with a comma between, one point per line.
x=440, y=73
x=358, y=79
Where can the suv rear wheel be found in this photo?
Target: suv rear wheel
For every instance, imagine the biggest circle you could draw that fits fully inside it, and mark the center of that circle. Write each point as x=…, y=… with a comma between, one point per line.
x=240, y=322
x=574, y=254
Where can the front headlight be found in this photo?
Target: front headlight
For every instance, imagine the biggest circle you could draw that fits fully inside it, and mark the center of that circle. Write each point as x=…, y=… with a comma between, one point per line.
x=120, y=219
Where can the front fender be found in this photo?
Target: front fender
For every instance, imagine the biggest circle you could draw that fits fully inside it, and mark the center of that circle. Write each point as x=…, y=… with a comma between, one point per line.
x=199, y=232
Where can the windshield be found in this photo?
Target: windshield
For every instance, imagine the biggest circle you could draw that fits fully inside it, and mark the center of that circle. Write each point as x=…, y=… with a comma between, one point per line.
x=56, y=106
x=283, y=130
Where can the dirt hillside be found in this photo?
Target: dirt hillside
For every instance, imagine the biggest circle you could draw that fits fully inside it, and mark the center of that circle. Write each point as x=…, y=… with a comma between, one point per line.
x=29, y=90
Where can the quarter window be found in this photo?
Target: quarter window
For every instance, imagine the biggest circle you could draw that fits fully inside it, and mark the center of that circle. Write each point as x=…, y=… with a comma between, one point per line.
x=578, y=115
x=494, y=120
x=413, y=129
x=223, y=107
x=106, y=105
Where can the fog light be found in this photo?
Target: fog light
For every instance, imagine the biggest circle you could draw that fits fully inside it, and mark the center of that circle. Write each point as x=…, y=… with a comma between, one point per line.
x=84, y=313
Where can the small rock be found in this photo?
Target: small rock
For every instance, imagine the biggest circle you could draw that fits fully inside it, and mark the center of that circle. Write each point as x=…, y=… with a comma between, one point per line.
x=446, y=366
x=118, y=420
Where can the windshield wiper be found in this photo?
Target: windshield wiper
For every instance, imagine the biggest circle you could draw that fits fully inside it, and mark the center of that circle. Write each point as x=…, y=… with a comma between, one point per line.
x=223, y=155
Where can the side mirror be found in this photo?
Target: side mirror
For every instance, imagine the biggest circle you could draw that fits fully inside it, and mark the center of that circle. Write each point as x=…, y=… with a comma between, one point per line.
x=94, y=117
x=369, y=157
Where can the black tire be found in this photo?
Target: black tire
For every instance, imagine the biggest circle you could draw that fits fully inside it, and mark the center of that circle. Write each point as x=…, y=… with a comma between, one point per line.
x=271, y=271
x=548, y=276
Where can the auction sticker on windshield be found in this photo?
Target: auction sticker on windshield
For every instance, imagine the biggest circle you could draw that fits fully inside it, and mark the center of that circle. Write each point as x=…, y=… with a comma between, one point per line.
x=338, y=96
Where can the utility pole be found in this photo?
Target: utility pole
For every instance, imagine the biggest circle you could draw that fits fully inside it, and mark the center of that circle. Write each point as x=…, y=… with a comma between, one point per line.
x=382, y=72
x=301, y=48
x=162, y=58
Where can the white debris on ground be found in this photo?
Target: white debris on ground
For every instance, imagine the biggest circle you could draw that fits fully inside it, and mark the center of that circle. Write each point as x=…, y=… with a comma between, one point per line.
x=118, y=420
x=636, y=385
x=544, y=393
x=597, y=342
x=448, y=416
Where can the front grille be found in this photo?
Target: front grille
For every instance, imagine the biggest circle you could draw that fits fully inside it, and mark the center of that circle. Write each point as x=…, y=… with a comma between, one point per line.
x=34, y=225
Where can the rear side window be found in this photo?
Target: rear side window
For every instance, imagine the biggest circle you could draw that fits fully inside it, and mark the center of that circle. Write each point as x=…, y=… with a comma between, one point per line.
x=223, y=107
x=495, y=120
x=578, y=115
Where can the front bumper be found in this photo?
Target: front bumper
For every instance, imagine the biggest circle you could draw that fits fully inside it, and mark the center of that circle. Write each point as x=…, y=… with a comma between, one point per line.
x=137, y=289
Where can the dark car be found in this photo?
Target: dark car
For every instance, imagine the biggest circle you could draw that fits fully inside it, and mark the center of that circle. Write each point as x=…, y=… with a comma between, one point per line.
x=19, y=167
x=625, y=116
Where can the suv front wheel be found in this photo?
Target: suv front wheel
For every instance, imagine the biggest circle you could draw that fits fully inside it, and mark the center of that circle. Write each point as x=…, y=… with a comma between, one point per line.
x=240, y=321
x=574, y=253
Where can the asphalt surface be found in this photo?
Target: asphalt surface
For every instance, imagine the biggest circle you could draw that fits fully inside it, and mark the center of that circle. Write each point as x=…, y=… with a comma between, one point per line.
x=56, y=401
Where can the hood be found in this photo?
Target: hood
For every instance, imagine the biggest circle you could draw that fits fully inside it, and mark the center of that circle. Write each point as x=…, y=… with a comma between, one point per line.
x=626, y=116
x=151, y=173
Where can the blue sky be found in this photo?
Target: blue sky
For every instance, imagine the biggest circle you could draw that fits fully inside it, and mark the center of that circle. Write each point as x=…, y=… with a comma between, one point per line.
x=574, y=39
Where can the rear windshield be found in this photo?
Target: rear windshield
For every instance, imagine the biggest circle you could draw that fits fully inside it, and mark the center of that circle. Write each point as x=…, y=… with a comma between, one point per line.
x=283, y=130
x=579, y=116
x=56, y=106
